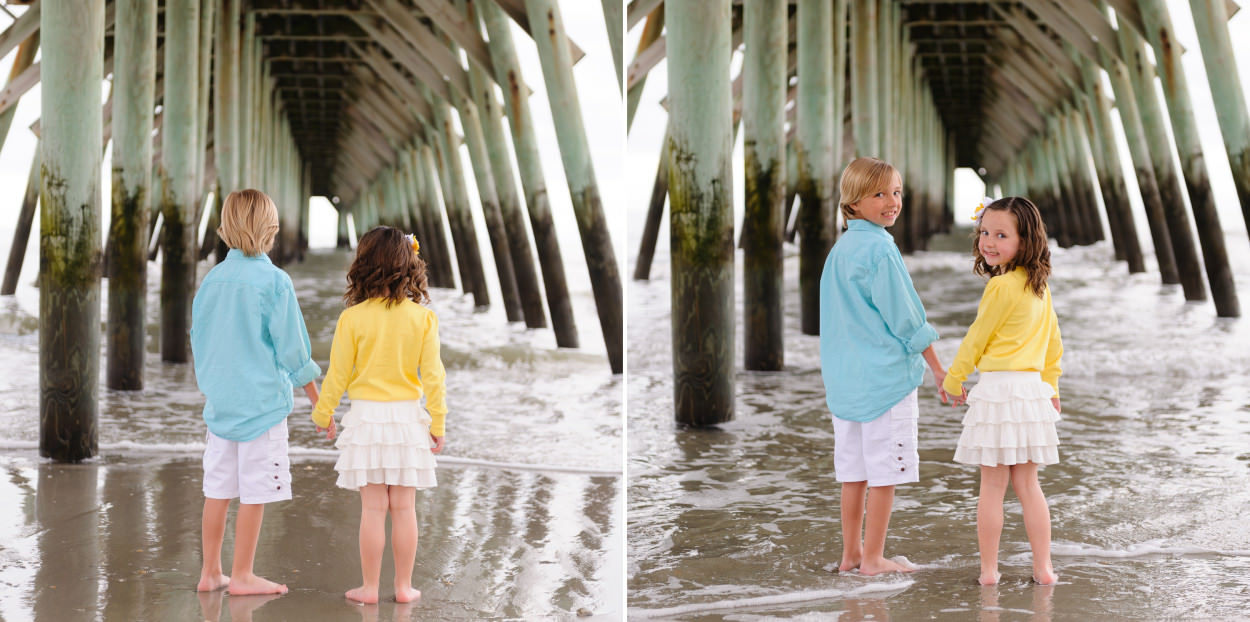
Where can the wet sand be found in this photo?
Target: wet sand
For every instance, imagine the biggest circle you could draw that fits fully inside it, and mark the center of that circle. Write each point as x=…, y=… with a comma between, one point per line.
x=118, y=538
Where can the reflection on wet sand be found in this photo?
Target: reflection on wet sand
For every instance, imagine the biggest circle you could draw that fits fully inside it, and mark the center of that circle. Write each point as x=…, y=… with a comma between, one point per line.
x=118, y=539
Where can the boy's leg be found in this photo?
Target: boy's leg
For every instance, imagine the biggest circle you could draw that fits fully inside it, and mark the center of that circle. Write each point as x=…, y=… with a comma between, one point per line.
x=990, y=519
x=852, y=524
x=1036, y=519
x=212, y=532
x=246, y=534
x=880, y=505
x=374, y=501
x=404, y=540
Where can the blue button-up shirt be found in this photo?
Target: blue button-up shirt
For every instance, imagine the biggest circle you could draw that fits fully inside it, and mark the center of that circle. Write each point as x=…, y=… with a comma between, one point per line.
x=250, y=346
x=873, y=327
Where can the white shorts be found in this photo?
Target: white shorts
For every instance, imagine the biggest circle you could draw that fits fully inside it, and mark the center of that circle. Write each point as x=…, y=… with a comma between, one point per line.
x=256, y=471
x=882, y=451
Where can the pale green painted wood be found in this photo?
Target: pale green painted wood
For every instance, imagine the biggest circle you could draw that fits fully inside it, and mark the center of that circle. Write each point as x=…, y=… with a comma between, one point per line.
x=813, y=148
x=764, y=138
x=1162, y=37
x=701, y=221
x=134, y=82
x=69, y=271
x=605, y=280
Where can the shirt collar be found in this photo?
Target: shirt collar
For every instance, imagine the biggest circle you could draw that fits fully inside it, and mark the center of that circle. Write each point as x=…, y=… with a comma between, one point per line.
x=860, y=224
x=238, y=254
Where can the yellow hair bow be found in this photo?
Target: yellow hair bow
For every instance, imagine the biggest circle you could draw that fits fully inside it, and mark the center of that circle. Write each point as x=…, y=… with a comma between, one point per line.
x=985, y=201
x=412, y=239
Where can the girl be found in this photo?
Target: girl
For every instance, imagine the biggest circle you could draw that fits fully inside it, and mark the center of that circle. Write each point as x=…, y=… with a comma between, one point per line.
x=386, y=356
x=1009, y=428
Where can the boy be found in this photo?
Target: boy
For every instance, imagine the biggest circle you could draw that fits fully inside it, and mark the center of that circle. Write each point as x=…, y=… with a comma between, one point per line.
x=873, y=332
x=250, y=348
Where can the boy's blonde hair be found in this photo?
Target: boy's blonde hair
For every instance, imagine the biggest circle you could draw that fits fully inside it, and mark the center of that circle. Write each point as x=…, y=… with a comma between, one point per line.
x=249, y=222
x=863, y=177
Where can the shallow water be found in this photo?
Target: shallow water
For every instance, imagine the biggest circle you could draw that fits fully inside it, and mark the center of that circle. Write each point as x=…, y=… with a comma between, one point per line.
x=524, y=525
x=1149, y=504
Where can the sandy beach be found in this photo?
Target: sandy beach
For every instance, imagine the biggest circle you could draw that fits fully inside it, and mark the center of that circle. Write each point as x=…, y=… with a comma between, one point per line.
x=118, y=539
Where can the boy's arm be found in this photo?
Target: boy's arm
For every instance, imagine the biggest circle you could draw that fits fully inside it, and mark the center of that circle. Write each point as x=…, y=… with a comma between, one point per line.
x=939, y=374
x=290, y=337
x=895, y=297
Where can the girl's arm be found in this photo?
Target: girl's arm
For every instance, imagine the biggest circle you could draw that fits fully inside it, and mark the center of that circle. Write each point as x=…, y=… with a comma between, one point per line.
x=1054, y=352
x=342, y=359
x=433, y=379
x=992, y=311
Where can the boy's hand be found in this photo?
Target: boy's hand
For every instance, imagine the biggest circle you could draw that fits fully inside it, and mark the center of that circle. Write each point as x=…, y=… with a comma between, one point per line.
x=331, y=431
x=939, y=375
x=437, y=444
x=310, y=390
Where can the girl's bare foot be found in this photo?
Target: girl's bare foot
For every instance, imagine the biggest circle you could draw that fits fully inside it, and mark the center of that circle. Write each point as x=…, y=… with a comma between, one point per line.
x=1045, y=577
x=212, y=582
x=849, y=563
x=990, y=579
x=875, y=567
x=407, y=594
x=253, y=584
x=363, y=595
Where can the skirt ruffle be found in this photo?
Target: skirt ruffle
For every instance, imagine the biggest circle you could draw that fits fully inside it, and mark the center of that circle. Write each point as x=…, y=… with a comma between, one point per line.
x=385, y=443
x=1010, y=420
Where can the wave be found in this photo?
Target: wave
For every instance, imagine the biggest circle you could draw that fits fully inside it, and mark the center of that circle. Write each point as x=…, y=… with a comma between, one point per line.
x=1139, y=549
x=874, y=588
x=134, y=448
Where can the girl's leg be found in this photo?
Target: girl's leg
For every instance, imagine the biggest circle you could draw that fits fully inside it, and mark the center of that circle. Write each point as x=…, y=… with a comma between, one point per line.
x=852, y=524
x=404, y=540
x=990, y=519
x=1036, y=519
x=373, y=506
x=212, y=532
x=246, y=533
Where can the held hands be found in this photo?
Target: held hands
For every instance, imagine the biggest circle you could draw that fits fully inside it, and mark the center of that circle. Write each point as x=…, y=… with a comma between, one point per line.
x=437, y=443
x=331, y=431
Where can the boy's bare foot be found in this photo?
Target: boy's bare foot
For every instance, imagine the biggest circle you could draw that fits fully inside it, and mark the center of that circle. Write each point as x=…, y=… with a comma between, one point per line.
x=242, y=586
x=872, y=568
x=849, y=563
x=363, y=595
x=1046, y=577
x=211, y=582
x=990, y=579
x=407, y=594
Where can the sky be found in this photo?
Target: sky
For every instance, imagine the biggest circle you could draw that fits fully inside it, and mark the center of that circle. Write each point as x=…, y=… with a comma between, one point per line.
x=603, y=117
x=647, y=132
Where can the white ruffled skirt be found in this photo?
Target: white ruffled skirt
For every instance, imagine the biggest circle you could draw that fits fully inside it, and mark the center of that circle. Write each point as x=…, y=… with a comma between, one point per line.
x=1010, y=420
x=385, y=443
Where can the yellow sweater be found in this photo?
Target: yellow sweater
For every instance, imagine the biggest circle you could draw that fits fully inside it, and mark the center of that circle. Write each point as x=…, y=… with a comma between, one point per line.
x=386, y=355
x=1014, y=331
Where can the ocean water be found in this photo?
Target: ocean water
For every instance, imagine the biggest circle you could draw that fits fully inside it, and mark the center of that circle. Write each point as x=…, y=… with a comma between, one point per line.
x=1150, y=505
x=526, y=522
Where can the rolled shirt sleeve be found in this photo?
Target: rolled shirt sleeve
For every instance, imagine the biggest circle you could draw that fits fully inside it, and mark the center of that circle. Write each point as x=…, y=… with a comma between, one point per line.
x=290, y=336
x=894, y=295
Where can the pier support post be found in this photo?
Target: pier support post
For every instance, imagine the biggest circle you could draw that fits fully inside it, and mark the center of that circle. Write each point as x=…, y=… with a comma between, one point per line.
x=529, y=165
x=1161, y=34
x=605, y=279
x=134, y=80
x=813, y=148
x=701, y=221
x=70, y=255
x=764, y=151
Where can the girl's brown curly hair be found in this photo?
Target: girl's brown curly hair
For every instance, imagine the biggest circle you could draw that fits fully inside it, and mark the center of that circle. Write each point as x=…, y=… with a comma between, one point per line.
x=387, y=267
x=1033, y=253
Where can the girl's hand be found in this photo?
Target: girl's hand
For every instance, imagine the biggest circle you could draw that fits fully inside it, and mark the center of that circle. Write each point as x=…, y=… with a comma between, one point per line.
x=438, y=444
x=331, y=431
x=1055, y=401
